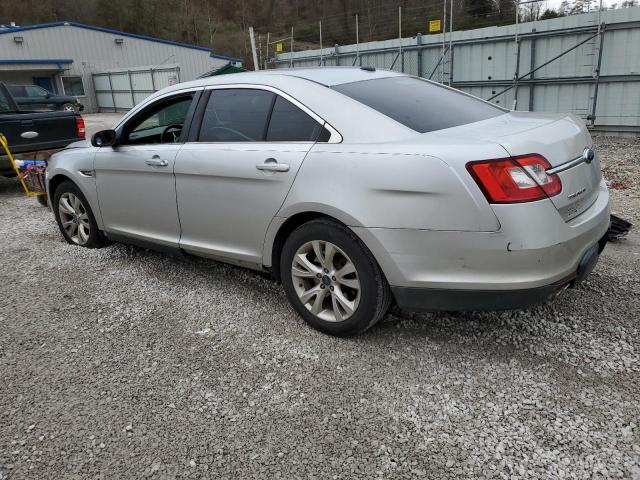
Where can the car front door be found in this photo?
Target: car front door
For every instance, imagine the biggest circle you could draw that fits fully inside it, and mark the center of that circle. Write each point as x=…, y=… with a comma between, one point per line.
x=135, y=181
x=235, y=172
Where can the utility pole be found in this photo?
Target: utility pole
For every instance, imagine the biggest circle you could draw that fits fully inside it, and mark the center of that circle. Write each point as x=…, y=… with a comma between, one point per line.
x=254, y=53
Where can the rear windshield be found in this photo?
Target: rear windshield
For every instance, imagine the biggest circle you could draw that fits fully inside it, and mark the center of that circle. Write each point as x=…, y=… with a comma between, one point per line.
x=420, y=105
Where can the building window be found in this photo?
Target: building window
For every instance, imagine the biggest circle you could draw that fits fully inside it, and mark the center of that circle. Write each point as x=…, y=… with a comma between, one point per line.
x=73, y=86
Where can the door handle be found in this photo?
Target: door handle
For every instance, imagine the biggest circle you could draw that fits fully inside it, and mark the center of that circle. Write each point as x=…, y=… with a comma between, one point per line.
x=157, y=162
x=272, y=165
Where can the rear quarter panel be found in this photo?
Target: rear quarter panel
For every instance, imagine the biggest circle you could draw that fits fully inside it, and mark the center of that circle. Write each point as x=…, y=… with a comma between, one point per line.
x=386, y=186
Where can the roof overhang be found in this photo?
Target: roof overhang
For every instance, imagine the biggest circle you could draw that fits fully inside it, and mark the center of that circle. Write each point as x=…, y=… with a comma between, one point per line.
x=119, y=33
x=55, y=64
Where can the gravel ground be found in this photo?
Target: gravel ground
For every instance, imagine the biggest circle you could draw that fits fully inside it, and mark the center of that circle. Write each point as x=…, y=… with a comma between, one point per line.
x=123, y=363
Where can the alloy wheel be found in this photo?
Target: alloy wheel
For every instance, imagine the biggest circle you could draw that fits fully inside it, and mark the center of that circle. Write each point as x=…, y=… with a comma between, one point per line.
x=326, y=281
x=74, y=218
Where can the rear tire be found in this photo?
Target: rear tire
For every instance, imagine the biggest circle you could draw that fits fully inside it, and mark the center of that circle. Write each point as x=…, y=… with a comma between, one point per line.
x=332, y=280
x=75, y=218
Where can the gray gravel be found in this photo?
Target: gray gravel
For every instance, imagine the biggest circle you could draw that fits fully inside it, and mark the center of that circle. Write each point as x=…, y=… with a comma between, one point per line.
x=123, y=363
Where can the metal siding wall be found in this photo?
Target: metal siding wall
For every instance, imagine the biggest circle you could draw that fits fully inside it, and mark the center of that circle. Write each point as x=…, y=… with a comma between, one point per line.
x=94, y=51
x=618, y=102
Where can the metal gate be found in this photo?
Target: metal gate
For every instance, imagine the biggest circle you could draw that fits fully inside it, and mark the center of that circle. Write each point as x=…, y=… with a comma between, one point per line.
x=120, y=90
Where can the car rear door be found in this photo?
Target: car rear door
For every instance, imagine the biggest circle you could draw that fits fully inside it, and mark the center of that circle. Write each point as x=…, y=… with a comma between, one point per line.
x=235, y=172
x=135, y=181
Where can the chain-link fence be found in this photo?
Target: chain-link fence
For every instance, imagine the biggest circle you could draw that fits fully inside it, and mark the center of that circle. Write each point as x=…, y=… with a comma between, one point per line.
x=563, y=64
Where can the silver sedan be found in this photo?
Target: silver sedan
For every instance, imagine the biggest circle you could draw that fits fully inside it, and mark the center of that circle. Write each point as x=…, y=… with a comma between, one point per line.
x=354, y=187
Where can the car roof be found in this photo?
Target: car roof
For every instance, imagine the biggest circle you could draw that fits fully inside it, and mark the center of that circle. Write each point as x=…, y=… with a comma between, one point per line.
x=331, y=76
x=327, y=76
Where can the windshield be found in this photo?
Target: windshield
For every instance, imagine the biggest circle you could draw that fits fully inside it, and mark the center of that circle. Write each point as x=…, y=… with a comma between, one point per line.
x=418, y=104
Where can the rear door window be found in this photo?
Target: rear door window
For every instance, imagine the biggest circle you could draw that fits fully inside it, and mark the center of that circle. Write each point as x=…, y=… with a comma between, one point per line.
x=420, y=105
x=290, y=124
x=236, y=115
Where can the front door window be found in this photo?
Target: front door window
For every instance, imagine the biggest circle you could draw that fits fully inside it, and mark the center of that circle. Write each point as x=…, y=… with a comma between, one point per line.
x=162, y=124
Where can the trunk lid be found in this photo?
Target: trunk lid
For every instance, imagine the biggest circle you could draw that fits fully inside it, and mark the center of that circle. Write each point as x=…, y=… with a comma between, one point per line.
x=561, y=139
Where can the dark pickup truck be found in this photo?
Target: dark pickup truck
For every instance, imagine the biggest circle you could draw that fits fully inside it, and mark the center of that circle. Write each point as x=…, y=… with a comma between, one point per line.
x=35, y=131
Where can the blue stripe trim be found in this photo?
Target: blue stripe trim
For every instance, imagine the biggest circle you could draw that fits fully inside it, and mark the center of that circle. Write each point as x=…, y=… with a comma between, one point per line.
x=117, y=32
x=38, y=61
x=225, y=57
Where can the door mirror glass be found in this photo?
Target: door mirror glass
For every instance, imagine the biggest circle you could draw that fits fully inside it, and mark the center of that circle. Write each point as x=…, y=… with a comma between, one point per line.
x=104, y=138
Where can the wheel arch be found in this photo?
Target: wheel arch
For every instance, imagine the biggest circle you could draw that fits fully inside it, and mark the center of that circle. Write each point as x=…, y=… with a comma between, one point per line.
x=54, y=183
x=58, y=178
x=289, y=219
x=284, y=228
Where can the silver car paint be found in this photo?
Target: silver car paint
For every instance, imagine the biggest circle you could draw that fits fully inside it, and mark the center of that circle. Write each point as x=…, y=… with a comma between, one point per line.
x=406, y=195
x=137, y=199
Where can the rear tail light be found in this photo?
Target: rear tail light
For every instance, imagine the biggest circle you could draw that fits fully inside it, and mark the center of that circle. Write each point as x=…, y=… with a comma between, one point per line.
x=515, y=180
x=80, y=131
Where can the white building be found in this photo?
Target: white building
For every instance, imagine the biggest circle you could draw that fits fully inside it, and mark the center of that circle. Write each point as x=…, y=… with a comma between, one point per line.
x=106, y=69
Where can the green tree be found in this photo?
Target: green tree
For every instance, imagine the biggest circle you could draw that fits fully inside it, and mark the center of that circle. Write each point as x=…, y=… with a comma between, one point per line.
x=549, y=13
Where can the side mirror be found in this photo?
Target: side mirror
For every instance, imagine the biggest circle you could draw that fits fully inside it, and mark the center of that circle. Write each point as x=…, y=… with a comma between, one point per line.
x=104, y=138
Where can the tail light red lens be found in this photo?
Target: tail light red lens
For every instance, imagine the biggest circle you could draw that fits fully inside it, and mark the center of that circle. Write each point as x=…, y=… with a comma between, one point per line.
x=80, y=131
x=515, y=180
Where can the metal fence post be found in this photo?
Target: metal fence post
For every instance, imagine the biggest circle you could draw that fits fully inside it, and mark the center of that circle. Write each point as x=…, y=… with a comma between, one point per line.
x=532, y=67
x=133, y=98
x=400, y=39
x=419, y=51
x=321, y=53
x=113, y=97
x=358, y=42
x=450, y=62
x=597, y=72
x=516, y=76
x=291, y=54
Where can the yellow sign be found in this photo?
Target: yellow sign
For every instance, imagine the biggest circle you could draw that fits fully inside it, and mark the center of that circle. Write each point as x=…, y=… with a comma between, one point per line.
x=434, y=26
x=279, y=47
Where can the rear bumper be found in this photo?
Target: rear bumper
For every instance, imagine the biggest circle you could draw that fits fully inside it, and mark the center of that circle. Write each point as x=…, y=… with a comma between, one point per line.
x=441, y=299
x=534, y=254
x=432, y=299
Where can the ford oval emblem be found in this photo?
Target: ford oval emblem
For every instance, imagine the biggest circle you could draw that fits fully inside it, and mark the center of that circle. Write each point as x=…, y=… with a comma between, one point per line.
x=588, y=154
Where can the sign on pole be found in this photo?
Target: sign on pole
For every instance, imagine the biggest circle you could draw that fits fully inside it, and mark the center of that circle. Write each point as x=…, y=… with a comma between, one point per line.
x=435, y=26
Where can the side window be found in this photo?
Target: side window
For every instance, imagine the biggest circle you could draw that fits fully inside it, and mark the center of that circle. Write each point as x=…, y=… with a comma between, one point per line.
x=17, y=90
x=163, y=123
x=236, y=115
x=34, y=91
x=290, y=124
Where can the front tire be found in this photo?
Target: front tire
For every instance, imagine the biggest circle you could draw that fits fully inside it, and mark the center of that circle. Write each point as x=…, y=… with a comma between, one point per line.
x=75, y=218
x=332, y=280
